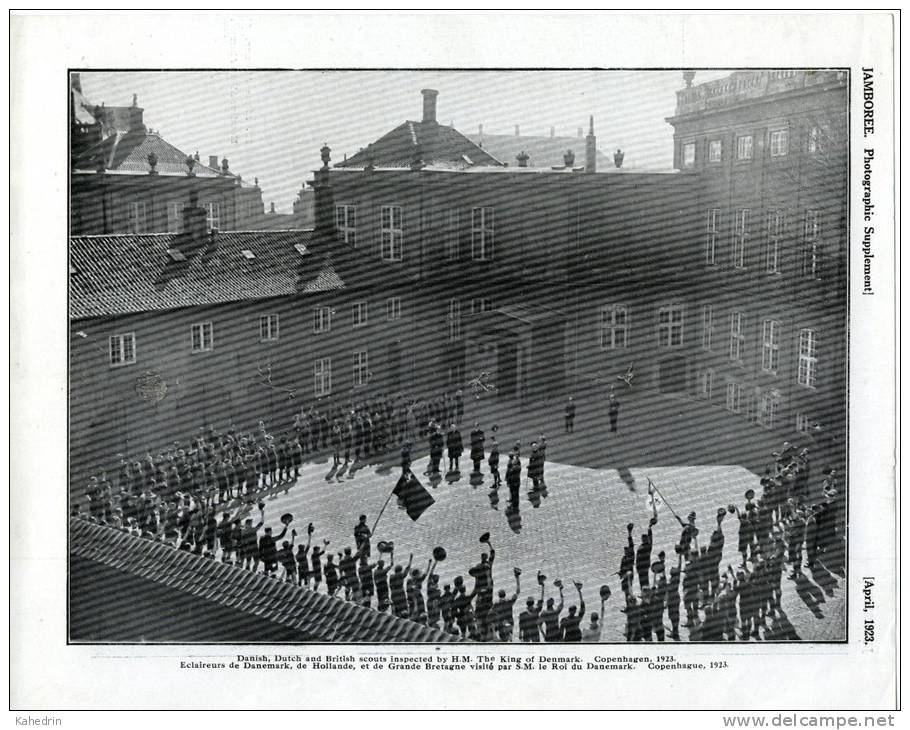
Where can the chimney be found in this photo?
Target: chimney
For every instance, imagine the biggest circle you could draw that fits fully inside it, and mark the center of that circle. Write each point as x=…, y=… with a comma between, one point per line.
x=552, y=132
x=569, y=159
x=522, y=159
x=195, y=227
x=429, y=105
x=618, y=158
x=213, y=161
x=272, y=209
x=517, y=131
x=591, y=149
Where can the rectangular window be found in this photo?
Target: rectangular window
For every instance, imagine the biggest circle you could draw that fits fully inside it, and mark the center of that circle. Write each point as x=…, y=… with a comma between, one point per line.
x=670, y=326
x=817, y=139
x=322, y=377
x=451, y=236
x=122, y=349
x=213, y=216
x=202, y=336
x=481, y=305
x=361, y=369
x=482, y=234
x=779, y=142
x=744, y=147
x=711, y=237
x=174, y=217
x=734, y=396
x=715, y=151
x=614, y=327
x=689, y=155
x=803, y=422
x=346, y=224
x=137, y=218
x=268, y=327
x=322, y=319
x=392, y=233
x=811, y=245
x=740, y=237
x=453, y=320
x=393, y=308
x=808, y=359
x=768, y=408
x=736, y=336
x=707, y=326
x=775, y=231
x=707, y=384
x=360, y=313
x=770, y=337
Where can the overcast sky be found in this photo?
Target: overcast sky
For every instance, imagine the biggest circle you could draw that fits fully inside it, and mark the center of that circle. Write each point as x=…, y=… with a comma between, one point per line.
x=271, y=124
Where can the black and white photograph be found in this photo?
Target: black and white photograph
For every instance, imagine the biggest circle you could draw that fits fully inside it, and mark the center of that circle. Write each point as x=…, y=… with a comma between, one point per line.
x=387, y=364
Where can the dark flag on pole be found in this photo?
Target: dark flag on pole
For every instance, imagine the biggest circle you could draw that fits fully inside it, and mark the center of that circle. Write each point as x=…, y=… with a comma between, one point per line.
x=416, y=499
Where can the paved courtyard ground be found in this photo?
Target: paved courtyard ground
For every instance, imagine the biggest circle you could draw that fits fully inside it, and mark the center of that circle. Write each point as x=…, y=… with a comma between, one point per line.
x=597, y=482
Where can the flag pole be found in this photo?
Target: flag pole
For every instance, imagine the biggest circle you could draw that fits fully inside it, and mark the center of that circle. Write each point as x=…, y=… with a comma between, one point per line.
x=388, y=499
x=652, y=484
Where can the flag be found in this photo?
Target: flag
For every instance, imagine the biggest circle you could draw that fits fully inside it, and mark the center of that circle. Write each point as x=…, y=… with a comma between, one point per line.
x=416, y=499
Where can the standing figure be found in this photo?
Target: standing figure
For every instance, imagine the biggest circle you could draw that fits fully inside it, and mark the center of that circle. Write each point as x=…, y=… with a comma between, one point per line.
x=570, y=415
x=454, y=445
x=477, y=442
x=614, y=412
x=493, y=461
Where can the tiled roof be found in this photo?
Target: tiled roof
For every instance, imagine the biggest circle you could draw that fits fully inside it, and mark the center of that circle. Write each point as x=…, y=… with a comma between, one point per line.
x=315, y=617
x=435, y=144
x=541, y=151
x=131, y=273
x=128, y=152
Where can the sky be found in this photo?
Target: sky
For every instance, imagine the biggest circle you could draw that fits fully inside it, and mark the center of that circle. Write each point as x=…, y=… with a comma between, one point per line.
x=272, y=124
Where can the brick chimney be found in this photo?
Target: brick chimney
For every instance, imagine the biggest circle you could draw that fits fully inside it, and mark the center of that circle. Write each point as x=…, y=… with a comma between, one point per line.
x=522, y=159
x=591, y=149
x=213, y=162
x=429, y=105
x=195, y=227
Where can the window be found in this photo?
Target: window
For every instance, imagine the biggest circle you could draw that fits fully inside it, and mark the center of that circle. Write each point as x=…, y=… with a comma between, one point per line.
x=808, y=359
x=322, y=319
x=736, y=336
x=811, y=245
x=322, y=377
x=744, y=147
x=481, y=305
x=775, y=230
x=346, y=224
x=392, y=238
x=393, y=308
x=360, y=313
x=137, y=218
x=803, y=423
x=780, y=140
x=817, y=141
x=734, y=396
x=740, y=236
x=689, y=155
x=361, y=370
x=482, y=234
x=201, y=335
x=770, y=337
x=268, y=327
x=670, y=326
x=451, y=235
x=123, y=349
x=707, y=384
x=174, y=217
x=453, y=320
x=707, y=326
x=614, y=327
x=768, y=407
x=711, y=236
x=213, y=216
x=715, y=151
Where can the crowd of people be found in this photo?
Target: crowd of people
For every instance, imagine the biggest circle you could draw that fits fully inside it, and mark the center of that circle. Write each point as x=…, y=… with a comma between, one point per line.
x=202, y=497
x=741, y=601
